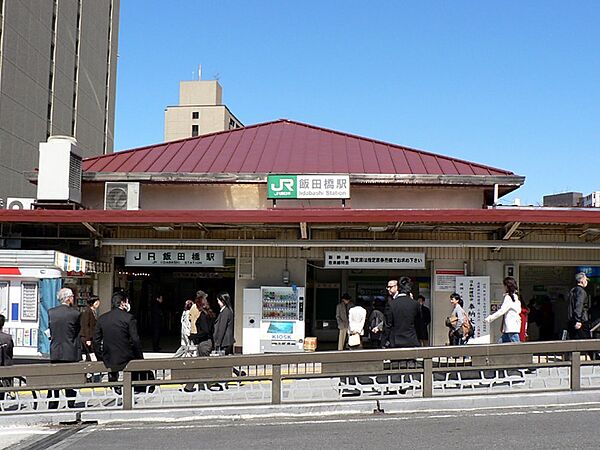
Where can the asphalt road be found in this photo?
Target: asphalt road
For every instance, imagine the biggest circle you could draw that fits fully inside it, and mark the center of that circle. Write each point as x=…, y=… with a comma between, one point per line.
x=532, y=428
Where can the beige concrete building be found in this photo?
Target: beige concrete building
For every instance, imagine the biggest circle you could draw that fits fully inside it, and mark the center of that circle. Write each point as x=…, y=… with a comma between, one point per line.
x=200, y=111
x=57, y=77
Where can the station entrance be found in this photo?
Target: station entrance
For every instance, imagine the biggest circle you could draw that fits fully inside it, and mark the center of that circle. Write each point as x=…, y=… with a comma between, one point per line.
x=367, y=287
x=175, y=285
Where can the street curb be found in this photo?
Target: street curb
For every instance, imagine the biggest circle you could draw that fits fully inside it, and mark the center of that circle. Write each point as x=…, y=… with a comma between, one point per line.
x=362, y=407
x=393, y=406
x=37, y=418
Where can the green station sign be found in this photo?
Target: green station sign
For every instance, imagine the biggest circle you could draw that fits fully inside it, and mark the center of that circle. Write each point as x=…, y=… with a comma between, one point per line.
x=308, y=186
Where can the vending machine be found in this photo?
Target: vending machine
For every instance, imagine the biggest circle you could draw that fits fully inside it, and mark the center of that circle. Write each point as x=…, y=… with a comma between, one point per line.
x=273, y=319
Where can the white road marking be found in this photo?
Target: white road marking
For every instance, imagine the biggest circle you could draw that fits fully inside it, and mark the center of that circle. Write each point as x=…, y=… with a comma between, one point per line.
x=389, y=418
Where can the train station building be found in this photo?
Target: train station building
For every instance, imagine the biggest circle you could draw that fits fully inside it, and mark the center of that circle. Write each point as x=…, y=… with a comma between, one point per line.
x=285, y=204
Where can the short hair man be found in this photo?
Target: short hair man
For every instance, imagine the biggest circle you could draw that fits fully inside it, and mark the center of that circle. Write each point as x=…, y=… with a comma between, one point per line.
x=6, y=349
x=65, y=343
x=116, y=339
x=401, y=314
x=577, y=315
x=341, y=315
x=156, y=315
x=423, y=321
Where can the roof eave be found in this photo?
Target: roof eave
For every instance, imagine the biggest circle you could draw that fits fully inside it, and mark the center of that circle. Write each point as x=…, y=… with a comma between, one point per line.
x=403, y=179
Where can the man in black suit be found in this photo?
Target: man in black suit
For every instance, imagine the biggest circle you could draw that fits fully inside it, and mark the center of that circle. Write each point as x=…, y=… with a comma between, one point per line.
x=7, y=345
x=116, y=339
x=401, y=314
x=156, y=315
x=6, y=349
x=423, y=321
x=65, y=343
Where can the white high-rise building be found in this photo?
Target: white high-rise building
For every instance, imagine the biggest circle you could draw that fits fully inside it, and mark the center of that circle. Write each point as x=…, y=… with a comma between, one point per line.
x=57, y=77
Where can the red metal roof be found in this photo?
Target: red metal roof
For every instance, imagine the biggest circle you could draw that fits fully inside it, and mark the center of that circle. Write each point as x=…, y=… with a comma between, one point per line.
x=314, y=215
x=284, y=146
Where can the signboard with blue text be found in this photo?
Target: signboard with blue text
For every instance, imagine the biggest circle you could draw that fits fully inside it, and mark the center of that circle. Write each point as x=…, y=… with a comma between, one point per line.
x=308, y=186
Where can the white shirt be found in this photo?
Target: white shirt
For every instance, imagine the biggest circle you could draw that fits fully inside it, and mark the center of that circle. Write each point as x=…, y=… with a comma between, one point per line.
x=186, y=327
x=511, y=312
x=356, y=317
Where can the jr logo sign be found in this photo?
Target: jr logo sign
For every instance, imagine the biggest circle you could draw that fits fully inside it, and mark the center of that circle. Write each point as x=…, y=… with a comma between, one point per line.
x=282, y=186
x=308, y=186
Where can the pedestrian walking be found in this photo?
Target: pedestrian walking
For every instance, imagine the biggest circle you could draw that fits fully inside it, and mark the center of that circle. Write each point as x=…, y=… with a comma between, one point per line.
x=203, y=338
x=194, y=314
x=223, y=334
x=341, y=315
x=6, y=353
x=578, y=312
x=116, y=339
x=156, y=315
x=423, y=321
x=523, y=332
x=356, y=325
x=376, y=325
x=401, y=314
x=205, y=326
x=455, y=321
x=65, y=340
x=87, y=319
x=511, y=310
x=186, y=347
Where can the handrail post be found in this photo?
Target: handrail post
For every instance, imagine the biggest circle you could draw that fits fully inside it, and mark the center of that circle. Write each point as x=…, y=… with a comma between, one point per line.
x=127, y=391
x=427, y=378
x=576, y=371
x=276, y=385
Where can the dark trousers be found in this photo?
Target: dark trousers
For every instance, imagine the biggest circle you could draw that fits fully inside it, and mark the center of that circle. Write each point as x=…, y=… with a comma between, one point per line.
x=582, y=333
x=55, y=393
x=228, y=349
x=156, y=330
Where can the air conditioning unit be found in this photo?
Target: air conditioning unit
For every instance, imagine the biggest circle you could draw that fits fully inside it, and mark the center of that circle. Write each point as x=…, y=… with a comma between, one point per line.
x=19, y=203
x=60, y=169
x=122, y=196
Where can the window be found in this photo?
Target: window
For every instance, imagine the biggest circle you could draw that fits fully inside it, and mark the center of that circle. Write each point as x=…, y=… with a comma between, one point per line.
x=195, y=115
x=4, y=299
x=194, y=130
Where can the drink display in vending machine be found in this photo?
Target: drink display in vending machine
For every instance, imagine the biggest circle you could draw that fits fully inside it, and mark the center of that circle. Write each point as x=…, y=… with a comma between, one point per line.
x=273, y=319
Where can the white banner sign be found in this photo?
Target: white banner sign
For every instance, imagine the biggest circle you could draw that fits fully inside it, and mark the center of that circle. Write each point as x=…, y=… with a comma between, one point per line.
x=374, y=260
x=475, y=292
x=163, y=257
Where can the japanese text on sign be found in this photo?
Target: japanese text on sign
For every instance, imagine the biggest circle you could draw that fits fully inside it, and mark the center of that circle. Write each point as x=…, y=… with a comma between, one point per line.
x=366, y=260
x=161, y=257
x=308, y=186
x=475, y=292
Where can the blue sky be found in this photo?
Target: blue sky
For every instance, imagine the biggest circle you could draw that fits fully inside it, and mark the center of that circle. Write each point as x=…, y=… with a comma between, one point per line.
x=511, y=84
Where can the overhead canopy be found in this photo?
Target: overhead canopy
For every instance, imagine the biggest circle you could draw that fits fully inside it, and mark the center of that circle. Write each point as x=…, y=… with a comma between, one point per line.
x=578, y=216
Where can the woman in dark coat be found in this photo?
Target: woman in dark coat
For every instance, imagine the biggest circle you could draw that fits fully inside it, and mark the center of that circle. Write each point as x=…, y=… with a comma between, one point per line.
x=223, y=335
x=88, y=319
x=205, y=325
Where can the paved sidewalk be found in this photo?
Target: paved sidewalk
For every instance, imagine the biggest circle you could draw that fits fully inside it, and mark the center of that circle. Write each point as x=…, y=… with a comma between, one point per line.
x=11, y=436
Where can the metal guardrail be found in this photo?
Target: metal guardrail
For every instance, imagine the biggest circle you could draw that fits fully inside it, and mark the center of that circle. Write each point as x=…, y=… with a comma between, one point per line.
x=424, y=363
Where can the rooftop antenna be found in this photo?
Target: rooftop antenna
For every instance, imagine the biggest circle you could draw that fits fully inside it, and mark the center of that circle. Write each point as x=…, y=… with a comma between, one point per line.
x=199, y=72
